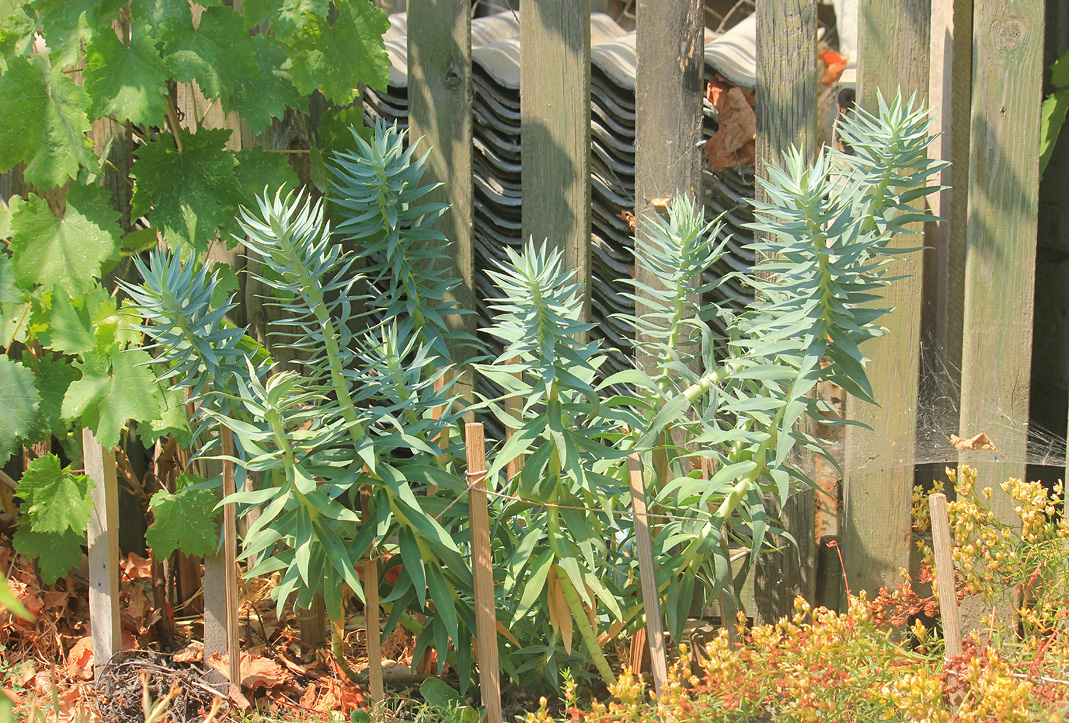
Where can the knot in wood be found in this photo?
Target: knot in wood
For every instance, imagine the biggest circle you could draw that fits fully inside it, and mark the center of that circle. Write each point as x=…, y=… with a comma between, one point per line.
x=1007, y=33
x=453, y=78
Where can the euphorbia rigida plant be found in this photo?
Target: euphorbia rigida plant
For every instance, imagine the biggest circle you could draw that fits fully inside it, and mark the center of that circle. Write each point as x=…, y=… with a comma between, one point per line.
x=363, y=419
x=734, y=399
x=365, y=415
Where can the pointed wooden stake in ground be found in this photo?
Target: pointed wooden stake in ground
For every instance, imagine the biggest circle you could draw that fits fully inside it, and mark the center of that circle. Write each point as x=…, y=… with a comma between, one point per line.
x=485, y=617
x=943, y=547
x=371, y=617
x=230, y=563
x=221, y=580
x=103, y=537
x=650, y=597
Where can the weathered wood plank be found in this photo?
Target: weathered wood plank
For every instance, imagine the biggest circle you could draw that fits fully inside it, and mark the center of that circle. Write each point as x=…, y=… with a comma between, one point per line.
x=555, y=130
x=483, y=574
x=894, y=43
x=1000, y=253
x=439, y=110
x=103, y=536
x=943, y=548
x=651, y=598
x=786, y=117
x=669, y=87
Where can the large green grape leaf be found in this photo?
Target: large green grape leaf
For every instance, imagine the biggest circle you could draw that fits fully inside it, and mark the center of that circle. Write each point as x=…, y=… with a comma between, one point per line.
x=337, y=58
x=264, y=95
x=286, y=17
x=16, y=31
x=185, y=521
x=21, y=405
x=190, y=194
x=333, y=134
x=111, y=392
x=171, y=420
x=152, y=14
x=218, y=53
x=56, y=552
x=258, y=169
x=70, y=328
x=44, y=122
x=69, y=252
x=66, y=23
x=128, y=82
x=55, y=499
x=9, y=290
x=54, y=377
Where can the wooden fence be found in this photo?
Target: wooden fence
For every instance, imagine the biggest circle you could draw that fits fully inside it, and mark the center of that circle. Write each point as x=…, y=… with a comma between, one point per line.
x=980, y=65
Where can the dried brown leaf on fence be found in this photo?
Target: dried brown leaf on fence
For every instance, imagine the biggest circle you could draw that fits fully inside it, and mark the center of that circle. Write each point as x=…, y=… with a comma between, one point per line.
x=735, y=141
x=980, y=441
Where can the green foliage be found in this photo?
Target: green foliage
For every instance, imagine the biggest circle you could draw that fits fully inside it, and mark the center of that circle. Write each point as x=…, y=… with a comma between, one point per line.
x=377, y=192
x=187, y=185
x=368, y=414
x=55, y=512
x=68, y=252
x=22, y=403
x=55, y=499
x=45, y=122
x=364, y=420
x=186, y=520
x=830, y=228
x=112, y=391
x=1053, y=113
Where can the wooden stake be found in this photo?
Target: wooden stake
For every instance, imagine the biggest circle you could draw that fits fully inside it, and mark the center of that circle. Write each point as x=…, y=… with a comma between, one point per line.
x=485, y=617
x=230, y=565
x=221, y=578
x=650, y=596
x=371, y=617
x=103, y=536
x=943, y=546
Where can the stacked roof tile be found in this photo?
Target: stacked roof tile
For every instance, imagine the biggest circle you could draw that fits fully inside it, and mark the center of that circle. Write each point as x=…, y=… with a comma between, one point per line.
x=497, y=192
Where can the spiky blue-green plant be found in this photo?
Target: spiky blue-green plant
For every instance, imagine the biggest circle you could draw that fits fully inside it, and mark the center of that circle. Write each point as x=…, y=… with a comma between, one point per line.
x=369, y=411
x=379, y=198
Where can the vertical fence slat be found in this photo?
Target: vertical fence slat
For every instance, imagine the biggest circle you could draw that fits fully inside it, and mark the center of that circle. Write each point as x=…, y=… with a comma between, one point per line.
x=957, y=211
x=894, y=43
x=1001, y=245
x=482, y=572
x=786, y=116
x=943, y=547
x=555, y=130
x=651, y=599
x=103, y=536
x=439, y=110
x=669, y=87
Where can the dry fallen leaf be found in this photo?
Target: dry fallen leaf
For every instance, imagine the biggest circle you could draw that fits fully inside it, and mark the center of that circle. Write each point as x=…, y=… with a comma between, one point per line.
x=256, y=671
x=80, y=659
x=628, y=218
x=980, y=441
x=660, y=203
x=735, y=142
x=192, y=653
x=136, y=567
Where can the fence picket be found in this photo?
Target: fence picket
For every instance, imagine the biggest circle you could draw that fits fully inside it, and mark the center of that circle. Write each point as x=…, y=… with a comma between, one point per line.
x=894, y=46
x=786, y=116
x=1000, y=249
x=555, y=130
